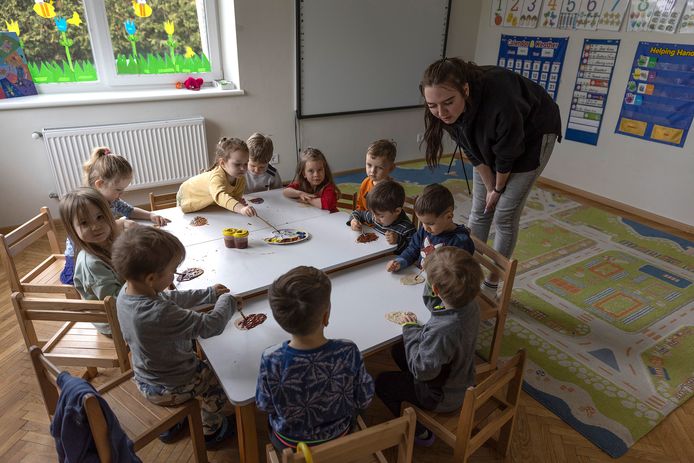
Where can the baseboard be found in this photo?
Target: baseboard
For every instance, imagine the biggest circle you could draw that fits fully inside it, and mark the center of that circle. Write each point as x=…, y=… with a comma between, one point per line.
x=658, y=219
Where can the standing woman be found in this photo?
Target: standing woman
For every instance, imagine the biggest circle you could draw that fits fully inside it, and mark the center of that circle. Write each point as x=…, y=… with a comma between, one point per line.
x=507, y=126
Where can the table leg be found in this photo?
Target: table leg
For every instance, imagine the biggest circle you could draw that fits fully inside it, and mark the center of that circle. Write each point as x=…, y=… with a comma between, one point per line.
x=248, y=438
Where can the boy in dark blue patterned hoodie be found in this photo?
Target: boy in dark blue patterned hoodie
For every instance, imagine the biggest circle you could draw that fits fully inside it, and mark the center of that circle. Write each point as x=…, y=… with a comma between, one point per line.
x=311, y=387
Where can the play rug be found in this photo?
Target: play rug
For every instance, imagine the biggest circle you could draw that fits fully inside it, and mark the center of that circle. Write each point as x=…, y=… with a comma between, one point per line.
x=603, y=305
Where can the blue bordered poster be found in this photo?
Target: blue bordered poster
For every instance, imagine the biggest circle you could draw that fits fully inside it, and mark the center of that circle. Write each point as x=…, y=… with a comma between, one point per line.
x=658, y=103
x=589, y=98
x=540, y=59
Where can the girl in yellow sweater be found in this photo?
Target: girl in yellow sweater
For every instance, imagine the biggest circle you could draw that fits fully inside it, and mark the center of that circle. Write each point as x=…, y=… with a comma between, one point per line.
x=222, y=184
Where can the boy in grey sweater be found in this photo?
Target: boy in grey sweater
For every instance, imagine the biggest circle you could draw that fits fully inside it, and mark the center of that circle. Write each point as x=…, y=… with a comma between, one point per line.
x=437, y=359
x=261, y=176
x=158, y=326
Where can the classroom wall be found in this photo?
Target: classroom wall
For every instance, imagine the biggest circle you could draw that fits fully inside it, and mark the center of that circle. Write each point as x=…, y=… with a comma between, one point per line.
x=649, y=176
x=265, y=36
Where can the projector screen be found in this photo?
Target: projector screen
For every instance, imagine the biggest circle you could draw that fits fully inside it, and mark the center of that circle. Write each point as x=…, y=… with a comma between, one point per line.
x=365, y=55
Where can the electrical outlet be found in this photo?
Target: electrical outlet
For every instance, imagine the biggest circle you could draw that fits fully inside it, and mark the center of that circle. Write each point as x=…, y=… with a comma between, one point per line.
x=420, y=137
x=275, y=159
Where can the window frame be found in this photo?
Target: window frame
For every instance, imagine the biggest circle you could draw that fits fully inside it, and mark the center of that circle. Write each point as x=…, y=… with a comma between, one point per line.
x=105, y=63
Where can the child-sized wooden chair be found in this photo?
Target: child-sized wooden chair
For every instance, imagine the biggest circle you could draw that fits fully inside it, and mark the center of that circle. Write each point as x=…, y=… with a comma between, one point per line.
x=364, y=445
x=162, y=201
x=486, y=410
x=347, y=201
x=141, y=420
x=408, y=207
x=494, y=308
x=45, y=278
x=77, y=342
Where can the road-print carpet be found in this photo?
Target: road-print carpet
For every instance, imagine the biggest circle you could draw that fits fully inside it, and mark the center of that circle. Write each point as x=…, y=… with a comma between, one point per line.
x=603, y=305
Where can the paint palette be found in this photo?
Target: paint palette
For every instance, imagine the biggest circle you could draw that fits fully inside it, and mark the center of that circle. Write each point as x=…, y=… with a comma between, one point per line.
x=287, y=236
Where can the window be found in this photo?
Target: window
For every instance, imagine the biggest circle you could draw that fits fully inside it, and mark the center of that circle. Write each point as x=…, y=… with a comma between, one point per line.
x=74, y=45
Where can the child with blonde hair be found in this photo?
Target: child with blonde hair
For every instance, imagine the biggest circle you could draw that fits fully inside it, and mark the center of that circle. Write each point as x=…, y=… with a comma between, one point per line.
x=313, y=182
x=380, y=162
x=158, y=325
x=109, y=174
x=92, y=230
x=222, y=184
x=261, y=175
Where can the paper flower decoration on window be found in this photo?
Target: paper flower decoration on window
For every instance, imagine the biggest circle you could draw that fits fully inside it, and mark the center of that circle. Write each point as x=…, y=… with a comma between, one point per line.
x=61, y=24
x=189, y=52
x=130, y=27
x=75, y=20
x=142, y=9
x=169, y=27
x=43, y=9
x=13, y=26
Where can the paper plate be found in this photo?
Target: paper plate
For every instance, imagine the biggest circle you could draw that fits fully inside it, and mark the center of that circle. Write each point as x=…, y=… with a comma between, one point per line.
x=287, y=236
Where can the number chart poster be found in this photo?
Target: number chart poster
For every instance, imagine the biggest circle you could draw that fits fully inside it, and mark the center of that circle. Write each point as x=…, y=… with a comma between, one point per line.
x=540, y=59
x=658, y=102
x=589, y=98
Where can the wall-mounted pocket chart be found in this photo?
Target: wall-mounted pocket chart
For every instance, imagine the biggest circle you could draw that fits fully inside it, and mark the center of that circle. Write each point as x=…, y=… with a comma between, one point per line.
x=540, y=59
x=589, y=97
x=658, y=102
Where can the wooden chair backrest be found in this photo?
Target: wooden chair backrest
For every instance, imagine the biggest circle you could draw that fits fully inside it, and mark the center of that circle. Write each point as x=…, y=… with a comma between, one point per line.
x=162, y=201
x=347, y=201
x=21, y=237
x=408, y=207
x=494, y=262
x=365, y=443
x=487, y=409
x=30, y=309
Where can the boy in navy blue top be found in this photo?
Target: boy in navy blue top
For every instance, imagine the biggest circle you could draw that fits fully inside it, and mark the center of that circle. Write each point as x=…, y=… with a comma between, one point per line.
x=311, y=387
x=385, y=214
x=434, y=209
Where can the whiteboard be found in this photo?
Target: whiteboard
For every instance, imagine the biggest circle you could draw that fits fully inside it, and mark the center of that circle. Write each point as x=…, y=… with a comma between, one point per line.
x=365, y=55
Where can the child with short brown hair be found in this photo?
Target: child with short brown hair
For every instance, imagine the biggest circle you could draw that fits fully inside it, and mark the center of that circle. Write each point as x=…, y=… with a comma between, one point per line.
x=380, y=162
x=159, y=325
x=222, y=184
x=311, y=387
x=261, y=175
x=436, y=359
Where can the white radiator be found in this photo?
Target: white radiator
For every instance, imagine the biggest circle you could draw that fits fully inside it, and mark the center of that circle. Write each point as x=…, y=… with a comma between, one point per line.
x=161, y=152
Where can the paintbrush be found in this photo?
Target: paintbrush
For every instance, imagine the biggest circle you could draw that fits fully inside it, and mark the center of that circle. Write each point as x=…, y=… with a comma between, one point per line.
x=271, y=225
x=242, y=315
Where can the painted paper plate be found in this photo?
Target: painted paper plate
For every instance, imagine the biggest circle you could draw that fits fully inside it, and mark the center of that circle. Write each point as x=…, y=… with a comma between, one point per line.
x=287, y=236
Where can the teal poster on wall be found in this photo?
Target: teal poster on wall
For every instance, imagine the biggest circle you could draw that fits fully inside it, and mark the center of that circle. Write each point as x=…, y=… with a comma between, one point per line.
x=658, y=103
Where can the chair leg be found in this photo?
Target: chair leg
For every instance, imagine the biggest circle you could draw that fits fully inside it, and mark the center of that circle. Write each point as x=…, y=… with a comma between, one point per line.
x=196, y=436
x=504, y=442
x=90, y=373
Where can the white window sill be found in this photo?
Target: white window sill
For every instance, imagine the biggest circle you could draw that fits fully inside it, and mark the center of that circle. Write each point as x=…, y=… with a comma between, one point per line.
x=93, y=98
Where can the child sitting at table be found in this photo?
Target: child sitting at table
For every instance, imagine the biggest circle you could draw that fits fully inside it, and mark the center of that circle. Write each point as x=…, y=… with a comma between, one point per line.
x=311, y=387
x=434, y=209
x=385, y=214
x=313, y=182
x=223, y=183
x=436, y=359
x=159, y=325
x=91, y=228
x=380, y=162
x=109, y=174
x=261, y=176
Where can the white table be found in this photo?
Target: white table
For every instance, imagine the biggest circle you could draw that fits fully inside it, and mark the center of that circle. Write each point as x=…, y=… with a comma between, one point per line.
x=248, y=271
x=276, y=209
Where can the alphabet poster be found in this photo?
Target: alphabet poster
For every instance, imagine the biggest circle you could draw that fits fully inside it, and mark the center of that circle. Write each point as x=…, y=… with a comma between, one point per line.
x=540, y=59
x=658, y=102
x=589, y=98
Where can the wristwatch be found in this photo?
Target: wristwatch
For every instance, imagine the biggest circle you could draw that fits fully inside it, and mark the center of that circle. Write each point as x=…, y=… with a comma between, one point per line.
x=500, y=191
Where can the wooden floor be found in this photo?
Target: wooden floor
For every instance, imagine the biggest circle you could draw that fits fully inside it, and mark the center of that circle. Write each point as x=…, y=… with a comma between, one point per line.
x=539, y=435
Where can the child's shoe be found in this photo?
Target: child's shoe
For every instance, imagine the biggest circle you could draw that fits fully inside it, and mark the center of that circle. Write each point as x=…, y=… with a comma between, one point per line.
x=175, y=432
x=425, y=439
x=226, y=430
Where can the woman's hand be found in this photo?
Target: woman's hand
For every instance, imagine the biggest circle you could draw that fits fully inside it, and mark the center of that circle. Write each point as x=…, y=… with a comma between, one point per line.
x=355, y=225
x=492, y=199
x=158, y=220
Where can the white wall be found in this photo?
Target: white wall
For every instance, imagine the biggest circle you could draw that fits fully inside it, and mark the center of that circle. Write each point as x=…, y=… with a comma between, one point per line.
x=650, y=176
x=265, y=36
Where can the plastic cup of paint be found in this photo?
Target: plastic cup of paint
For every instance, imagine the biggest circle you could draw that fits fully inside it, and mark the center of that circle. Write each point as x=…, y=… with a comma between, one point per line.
x=229, y=240
x=241, y=238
